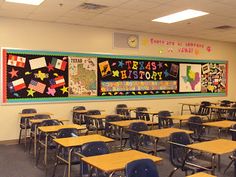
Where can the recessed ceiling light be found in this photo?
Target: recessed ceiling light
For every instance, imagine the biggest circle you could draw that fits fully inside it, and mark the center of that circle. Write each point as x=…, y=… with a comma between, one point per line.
x=30, y=2
x=180, y=16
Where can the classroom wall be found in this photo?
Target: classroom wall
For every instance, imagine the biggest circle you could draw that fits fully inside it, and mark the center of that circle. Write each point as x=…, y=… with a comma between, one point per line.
x=74, y=38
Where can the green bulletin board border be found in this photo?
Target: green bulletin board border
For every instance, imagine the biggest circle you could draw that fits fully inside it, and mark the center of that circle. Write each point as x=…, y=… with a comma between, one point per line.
x=103, y=98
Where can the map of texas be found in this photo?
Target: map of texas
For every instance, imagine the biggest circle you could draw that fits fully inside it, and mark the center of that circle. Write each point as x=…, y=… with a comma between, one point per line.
x=192, y=77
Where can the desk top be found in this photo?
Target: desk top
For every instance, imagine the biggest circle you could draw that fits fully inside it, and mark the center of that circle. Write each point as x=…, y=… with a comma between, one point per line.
x=126, y=123
x=55, y=128
x=220, y=124
x=38, y=121
x=201, y=174
x=222, y=107
x=33, y=114
x=181, y=117
x=219, y=146
x=85, y=111
x=190, y=104
x=118, y=160
x=163, y=133
x=80, y=140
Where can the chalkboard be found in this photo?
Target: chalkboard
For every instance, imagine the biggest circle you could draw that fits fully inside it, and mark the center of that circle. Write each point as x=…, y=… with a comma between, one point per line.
x=47, y=76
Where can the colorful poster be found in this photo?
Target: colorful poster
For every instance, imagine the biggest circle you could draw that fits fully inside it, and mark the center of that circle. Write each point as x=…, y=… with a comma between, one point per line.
x=213, y=78
x=32, y=76
x=190, y=78
x=82, y=76
x=119, y=77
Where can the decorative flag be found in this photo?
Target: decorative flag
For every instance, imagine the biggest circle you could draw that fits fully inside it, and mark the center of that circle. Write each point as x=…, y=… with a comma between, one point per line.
x=57, y=82
x=37, y=86
x=37, y=63
x=59, y=64
x=14, y=60
x=16, y=85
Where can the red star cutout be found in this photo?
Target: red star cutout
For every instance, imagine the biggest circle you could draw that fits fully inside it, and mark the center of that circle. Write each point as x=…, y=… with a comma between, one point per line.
x=50, y=67
x=13, y=73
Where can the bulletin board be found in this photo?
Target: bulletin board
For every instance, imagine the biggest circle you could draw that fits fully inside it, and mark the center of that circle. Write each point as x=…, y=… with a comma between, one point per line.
x=47, y=76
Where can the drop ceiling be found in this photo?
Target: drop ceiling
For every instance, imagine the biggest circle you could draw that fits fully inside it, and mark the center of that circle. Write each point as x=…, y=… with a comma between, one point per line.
x=135, y=15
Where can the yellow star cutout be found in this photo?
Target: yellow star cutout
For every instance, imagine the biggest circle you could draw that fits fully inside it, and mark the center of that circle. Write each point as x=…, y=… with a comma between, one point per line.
x=41, y=75
x=64, y=89
x=30, y=92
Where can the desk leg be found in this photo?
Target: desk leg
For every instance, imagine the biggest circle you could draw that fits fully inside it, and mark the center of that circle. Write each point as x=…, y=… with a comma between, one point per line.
x=182, y=109
x=219, y=167
x=180, y=123
x=213, y=164
x=155, y=145
x=69, y=162
x=35, y=141
x=121, y=132
x=46, y=151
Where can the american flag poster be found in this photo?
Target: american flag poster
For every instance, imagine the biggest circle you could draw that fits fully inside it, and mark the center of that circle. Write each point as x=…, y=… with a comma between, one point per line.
x=33, y=76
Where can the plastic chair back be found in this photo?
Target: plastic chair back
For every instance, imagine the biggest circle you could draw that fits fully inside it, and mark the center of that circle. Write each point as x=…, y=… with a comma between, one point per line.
x=24, y=121
x=76, y=116
x=195, y=125
x=92, y=149
x=140, y=114
x=178, y=153
x=141, y=168
x=204, y=109
x=67, y=132
x=88, y=120
x=163, y=121
x=121, y=109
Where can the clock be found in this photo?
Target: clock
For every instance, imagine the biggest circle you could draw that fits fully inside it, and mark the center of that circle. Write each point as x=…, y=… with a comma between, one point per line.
x=133, y=41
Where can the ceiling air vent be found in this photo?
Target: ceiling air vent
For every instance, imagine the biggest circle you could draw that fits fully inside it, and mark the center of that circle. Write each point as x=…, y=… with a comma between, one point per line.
x=224, y=27
x=91, y=6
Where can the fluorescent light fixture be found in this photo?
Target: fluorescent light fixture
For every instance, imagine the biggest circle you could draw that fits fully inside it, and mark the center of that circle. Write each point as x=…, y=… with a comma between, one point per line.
x=29, y=2
x=180, y=16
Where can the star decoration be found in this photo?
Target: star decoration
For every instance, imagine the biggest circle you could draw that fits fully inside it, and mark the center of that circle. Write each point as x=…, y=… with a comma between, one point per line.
x=64, y=89
x=160, y=65
x=13, y=73
x=51, y=91
x=50, y=67
x=166, y=73
x=30, y=92
x=115, y=73
x=121, y=64
x=41, y=75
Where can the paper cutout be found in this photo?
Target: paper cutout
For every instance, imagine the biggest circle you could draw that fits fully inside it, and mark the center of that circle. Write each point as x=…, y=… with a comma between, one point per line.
x=30, y=92
x=37, y=63
x=13, y=73
x=17, y=61
x=57, y=82
x=51, y=91
x=16, y=85
x=41, y=75
x=37, y=86
x=59, y=64
x=64, y=89
x=105, y=68
x=50, y=67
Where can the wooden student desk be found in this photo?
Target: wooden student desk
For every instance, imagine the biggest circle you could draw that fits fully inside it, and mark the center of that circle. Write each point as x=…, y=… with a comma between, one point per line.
x=162, y=133
x=215, y=147
x=189, y=108
x=125, y=123
x=35, y=123
x=217, y=110
x=110, y=163
x=53, y=129
x=201, y=174
x=73, y=142
x=223, y=124
x=33, y=114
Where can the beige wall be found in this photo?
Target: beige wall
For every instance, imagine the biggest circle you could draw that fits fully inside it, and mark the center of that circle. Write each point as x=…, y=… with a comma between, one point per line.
x=61, y=37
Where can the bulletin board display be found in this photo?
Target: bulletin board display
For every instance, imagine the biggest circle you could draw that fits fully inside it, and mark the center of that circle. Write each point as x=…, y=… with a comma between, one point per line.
x=45, y=76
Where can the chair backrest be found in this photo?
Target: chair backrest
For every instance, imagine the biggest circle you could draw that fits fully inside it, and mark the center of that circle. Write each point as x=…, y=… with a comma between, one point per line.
x=77, y=115
x=203, y=108
x=141, y=168
x=225, y=103
x=67, y=132
x=122, y=110
x=234, y=132
x=42, y=116
x=178, y=152
x=134, y=136
x=163, y=121
x=50, y=122
x=88, y=121
x=140, y=114
x=195, y=125
x=25, y=120
x=29, y=110
x=92, y=149
x=110, y=129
